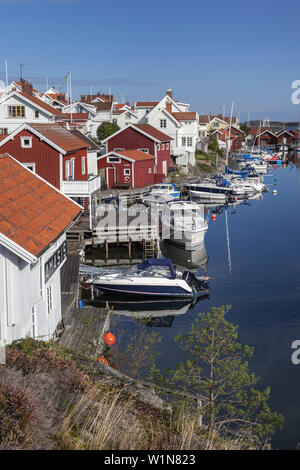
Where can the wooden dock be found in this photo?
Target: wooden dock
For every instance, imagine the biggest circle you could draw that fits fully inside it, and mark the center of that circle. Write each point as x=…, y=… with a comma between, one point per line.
x=84, y=330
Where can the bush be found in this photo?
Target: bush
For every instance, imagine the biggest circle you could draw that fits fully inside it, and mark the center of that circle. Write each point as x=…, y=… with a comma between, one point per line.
x=16, y=415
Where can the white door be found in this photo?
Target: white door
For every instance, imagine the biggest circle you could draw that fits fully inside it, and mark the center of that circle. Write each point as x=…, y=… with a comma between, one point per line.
x=165, y=167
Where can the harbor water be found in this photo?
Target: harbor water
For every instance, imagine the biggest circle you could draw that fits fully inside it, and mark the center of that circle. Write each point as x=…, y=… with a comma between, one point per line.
x=251, y=252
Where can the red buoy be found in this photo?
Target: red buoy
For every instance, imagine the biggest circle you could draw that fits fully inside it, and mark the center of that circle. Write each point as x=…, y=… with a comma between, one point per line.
x=103, y=360
x=109, y=339
x=213, y=216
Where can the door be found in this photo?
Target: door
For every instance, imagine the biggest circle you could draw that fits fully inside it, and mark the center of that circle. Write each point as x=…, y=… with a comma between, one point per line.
x=164, y=167
x=111, y=177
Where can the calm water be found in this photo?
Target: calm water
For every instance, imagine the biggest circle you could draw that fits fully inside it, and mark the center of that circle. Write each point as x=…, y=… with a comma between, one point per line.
x=255, y=267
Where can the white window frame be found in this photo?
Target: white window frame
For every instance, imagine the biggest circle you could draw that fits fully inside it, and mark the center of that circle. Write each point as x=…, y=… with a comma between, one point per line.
x=23, y=138
x=158, y=146
x=49, y=299
x=163, y=146
x=183, y=141
x=29, y=165
x=127, y=172
x=68, y=168
x=144, y=150
x=83, y=165
x=36, y=114
x=149, y=171
x=119, y=150
x=167, y=146
x=115, y=160
x=163, y=123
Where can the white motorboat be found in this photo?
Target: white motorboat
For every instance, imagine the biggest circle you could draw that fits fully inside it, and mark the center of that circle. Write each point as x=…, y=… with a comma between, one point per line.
x=165, y=189
x=155, y=277
x=210, y=189
x=183, y=223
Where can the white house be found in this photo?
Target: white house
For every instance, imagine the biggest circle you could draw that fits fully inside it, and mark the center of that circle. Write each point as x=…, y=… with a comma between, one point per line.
x=18, y=107
x=34, y=218
x=174, y=119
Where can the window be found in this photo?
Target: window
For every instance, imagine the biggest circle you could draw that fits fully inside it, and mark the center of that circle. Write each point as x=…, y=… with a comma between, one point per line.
x=167, y=146
x=126, y=171
x=144, y=150
x=3, y=131
x=113, y=160
x=49, y=299
x=30, y=166
x=68, y=172
x=119, y=150
x=189, y=141
x=26, y=142
x=83, y=169
x=183, y=141
x=163, y=123
x=163, y=146
x=216, y=124
x=16, y=111
x=158, y=146
x=36, y=114
x=149, y=171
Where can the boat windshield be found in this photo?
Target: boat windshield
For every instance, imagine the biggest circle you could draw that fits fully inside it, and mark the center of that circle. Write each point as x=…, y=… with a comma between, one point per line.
x=150, y=271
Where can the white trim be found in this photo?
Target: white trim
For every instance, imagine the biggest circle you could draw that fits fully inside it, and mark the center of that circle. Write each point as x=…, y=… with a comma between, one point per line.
x=17, y=249
x=141, y=131
x=28, y=100
x=27, y=127
x=23, y=138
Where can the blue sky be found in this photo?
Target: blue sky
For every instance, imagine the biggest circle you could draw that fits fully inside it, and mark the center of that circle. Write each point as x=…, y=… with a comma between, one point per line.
x=210, y=53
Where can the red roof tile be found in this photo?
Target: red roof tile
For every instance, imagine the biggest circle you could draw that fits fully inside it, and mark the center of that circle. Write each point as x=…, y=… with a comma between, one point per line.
x=60, y=136
x=32, y=213
x=40, y=103
x=185, y=116
x=137, y=155
x=146, y=104
x=153, y=132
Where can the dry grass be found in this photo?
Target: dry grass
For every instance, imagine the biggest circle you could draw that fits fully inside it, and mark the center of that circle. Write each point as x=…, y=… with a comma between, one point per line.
x=111, y=419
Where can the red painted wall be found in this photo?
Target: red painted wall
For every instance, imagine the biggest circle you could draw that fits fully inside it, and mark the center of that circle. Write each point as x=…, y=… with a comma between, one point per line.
x=46, y=158
x=163, y=155
x=140, y=168
x=77, y=166
x=266, y=139
x=130, y=139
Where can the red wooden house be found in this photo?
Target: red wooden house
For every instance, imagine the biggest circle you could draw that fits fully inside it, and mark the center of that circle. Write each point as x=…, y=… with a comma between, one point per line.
x=146, y=138
x=127, y=168
x=55, y=154
x=285, y=138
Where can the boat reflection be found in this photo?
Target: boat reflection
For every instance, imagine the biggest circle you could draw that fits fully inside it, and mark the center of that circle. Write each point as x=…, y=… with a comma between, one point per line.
x=181, y=257
x=153, y=313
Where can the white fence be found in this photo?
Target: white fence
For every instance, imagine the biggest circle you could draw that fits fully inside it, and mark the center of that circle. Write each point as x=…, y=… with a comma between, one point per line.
x=81, y=188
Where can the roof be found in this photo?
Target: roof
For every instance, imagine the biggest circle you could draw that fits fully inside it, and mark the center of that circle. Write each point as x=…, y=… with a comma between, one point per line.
x=136, y=155
x=131, y=155
x=90, y=142
x=33, y=214
x=146, y=104
x=75, y=116
x=153, y=132
x=60, y=136
x=208, y=117
x=185, y=116
x=40, y=103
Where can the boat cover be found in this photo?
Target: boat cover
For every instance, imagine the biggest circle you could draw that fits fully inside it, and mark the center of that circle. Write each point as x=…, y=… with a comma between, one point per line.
x=166, y=262
x=228, y=171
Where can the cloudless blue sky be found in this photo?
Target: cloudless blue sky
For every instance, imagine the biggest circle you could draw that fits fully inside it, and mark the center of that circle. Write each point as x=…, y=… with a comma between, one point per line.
x=210, y=53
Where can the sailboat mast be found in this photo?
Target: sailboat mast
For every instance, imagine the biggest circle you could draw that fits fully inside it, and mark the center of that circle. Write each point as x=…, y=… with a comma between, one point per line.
x=228, y=140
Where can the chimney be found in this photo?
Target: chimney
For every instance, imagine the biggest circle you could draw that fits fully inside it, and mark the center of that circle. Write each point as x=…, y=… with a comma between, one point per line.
x=169, y=92
x=169, y=107
x=27, y=87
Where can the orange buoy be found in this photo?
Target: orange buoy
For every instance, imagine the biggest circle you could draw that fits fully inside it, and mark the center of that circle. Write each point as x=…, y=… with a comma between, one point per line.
x=109, y=339
x=213, y=216
x=103, y=360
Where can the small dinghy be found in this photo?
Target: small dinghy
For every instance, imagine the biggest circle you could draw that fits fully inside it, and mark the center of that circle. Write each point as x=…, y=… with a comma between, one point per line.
x=151, y=278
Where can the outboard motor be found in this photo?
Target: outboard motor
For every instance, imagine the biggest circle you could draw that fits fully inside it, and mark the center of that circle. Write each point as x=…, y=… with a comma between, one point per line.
x=196, y=284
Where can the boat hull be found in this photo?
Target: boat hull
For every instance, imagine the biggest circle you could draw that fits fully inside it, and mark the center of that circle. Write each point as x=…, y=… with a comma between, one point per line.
x=208, y=196
x=147, y=290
